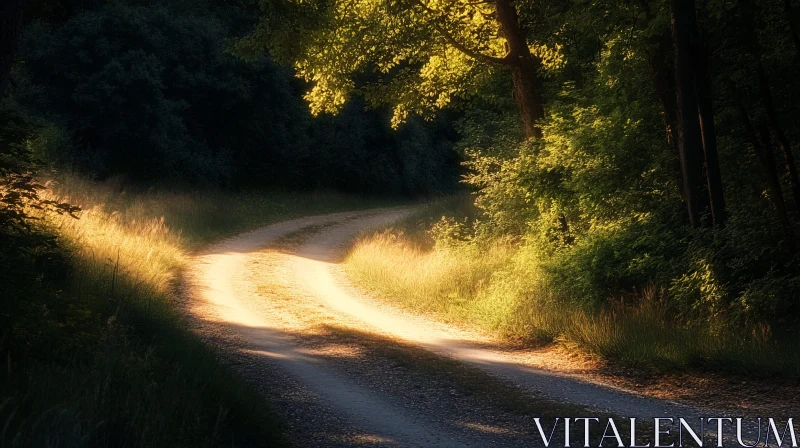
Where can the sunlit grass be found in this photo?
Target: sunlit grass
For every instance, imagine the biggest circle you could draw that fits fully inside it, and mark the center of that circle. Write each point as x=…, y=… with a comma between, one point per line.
x=127, y=243
x=497, y=286
x=451, y=282
x=124, y=370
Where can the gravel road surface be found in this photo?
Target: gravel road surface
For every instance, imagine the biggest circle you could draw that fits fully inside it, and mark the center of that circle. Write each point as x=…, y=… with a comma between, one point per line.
x=344, y=369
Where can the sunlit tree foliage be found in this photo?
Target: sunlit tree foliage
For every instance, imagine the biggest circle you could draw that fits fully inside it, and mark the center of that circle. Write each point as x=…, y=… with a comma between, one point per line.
x=417, y=55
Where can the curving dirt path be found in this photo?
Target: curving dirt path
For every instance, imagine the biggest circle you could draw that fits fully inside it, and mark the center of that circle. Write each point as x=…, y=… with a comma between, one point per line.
x=315, y=266
x=346, y=370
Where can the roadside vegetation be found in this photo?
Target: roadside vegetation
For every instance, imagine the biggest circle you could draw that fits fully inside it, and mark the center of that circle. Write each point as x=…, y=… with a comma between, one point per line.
x=435, y=263
x=100, y=354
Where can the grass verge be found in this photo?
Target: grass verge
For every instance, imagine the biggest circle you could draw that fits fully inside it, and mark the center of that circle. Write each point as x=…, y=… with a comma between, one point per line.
x=105, y=357
x=423, y=265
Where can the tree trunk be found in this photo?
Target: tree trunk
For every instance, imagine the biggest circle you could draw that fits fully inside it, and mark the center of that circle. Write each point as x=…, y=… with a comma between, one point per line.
x=11, y=22
x=708, y=131
x=527, y=96
x=661, y=63
x=772, y=116
x=524, y=70
x=768, y=162
x=787, y=7
x=690, y=144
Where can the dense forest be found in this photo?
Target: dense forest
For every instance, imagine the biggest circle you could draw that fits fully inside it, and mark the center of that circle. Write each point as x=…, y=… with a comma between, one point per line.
x=624, y=144
x=623, y=150
x=152, y=92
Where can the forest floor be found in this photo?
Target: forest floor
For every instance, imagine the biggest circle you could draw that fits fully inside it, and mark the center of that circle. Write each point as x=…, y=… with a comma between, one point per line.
x=343, y=369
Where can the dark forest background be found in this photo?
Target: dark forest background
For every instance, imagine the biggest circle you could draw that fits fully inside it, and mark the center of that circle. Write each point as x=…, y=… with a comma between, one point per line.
x=150, y=91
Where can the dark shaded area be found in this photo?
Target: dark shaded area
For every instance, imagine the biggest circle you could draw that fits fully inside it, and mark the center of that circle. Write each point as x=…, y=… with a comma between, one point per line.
x=149, y=91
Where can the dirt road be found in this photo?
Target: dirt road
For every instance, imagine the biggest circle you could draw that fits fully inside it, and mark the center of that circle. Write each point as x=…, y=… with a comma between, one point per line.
x=345, y=370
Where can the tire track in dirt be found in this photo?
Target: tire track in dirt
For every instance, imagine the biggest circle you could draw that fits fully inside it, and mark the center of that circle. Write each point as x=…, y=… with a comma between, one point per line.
x=298, y=326
x=315, y=266
x=213, y=278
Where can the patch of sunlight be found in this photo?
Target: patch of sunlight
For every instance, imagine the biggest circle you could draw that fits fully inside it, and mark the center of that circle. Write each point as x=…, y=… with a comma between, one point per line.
x=369, y=439
x=488, y=429
x=269, y=354
x=143, y=250
x=334, y=350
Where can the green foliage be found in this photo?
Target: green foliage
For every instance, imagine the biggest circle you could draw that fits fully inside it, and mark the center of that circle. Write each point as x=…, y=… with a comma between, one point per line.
x=523, y=293
x=30, y=258
x=150, y=92
x=597, y=199
x=356, y=152
x=138, y=84
x=415, y=68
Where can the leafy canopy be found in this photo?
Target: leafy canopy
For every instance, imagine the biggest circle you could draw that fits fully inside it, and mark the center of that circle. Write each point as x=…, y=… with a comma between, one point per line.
x=418, y=55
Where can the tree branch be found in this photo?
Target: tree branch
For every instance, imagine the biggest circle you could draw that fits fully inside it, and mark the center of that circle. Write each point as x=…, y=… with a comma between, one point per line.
x=474, y=54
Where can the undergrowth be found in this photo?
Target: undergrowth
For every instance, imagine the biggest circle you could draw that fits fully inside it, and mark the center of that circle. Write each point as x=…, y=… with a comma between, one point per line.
x=435, y=263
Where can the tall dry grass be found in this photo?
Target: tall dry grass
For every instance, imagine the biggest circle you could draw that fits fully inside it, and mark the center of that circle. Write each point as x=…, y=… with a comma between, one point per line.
x=498, y=286
x=121, y=368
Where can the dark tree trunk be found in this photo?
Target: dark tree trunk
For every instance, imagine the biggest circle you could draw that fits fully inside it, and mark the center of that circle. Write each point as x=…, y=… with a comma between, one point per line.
x=772, y=116
x=661, y=63
x=708, y=131
x=787, y=7
x=764, y=155
x=768, y=162
x=11, y=22
x=690, y=144
x=524, y=70
x=527, y=96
